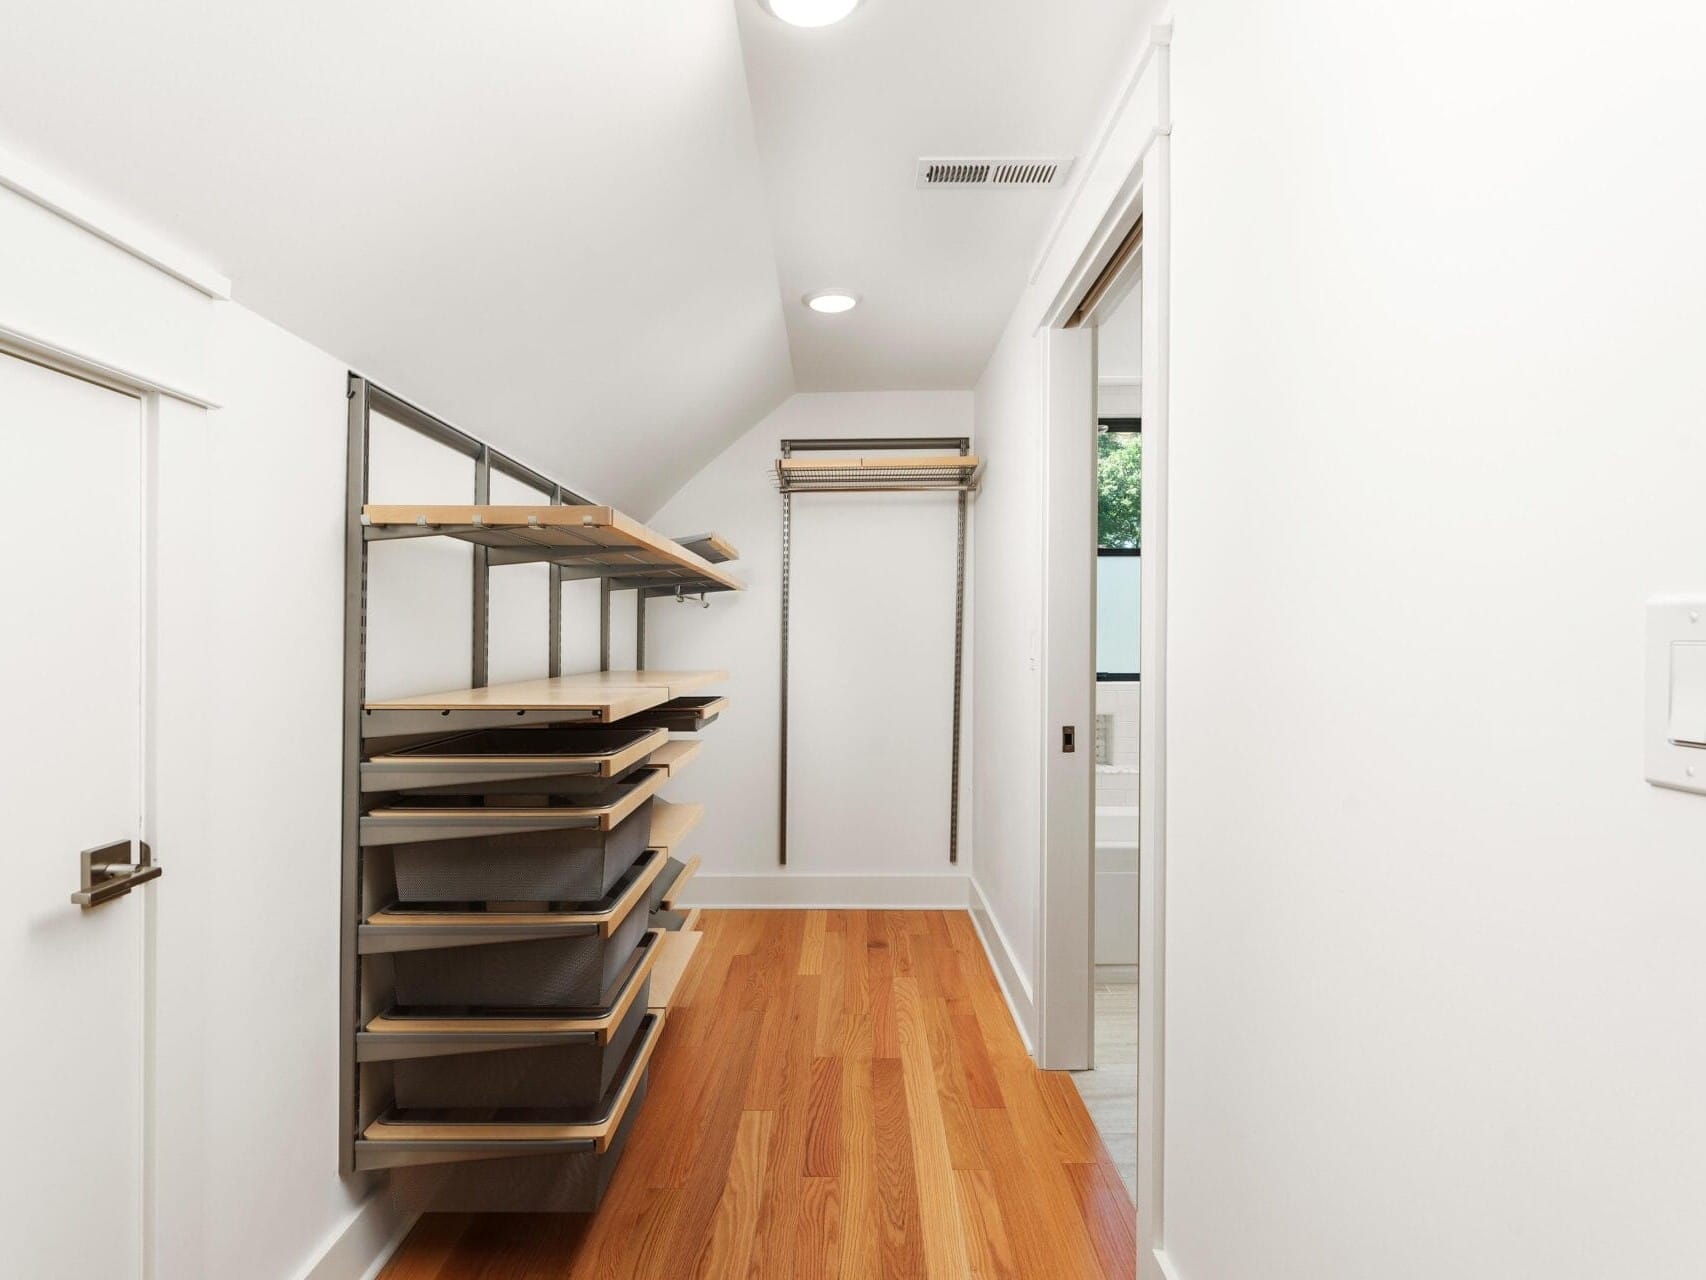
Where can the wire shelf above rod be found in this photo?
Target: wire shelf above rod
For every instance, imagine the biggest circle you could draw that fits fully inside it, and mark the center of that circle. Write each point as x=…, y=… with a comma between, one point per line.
x=953, y=474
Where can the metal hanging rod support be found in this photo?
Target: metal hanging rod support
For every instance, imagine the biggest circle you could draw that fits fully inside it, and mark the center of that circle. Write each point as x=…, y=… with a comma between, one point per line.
x=957, y=485
x=842, y=443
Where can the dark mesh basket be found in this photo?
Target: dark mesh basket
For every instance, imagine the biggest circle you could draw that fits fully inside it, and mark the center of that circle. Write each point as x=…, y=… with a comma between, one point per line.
x=572, y=1183
x=580, y=865
x=567, y=1075
x=577, y=971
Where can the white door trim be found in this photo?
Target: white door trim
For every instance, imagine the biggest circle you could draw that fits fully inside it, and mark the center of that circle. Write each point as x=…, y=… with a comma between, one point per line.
x=1130, y=163
x=68, y=359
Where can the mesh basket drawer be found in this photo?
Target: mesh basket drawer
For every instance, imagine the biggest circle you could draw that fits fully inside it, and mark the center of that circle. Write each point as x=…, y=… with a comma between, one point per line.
x=539, y=973
x=576, y=865
x=573, y=1183
x=565, y=1075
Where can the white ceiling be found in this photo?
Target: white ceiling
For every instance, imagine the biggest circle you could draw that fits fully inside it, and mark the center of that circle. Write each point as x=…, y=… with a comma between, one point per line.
x=843, y=114
x=553, y=224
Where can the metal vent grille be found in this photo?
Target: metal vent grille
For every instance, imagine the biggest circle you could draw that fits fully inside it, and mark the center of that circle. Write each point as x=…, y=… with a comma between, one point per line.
x=992, y=171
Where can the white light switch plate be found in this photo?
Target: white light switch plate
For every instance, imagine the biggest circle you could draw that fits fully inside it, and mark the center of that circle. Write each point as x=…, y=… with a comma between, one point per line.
x=1676, y=692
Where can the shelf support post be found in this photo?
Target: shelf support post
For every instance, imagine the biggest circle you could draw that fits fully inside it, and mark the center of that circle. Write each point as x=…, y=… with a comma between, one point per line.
x=355, y=673
x=640, y=629
x=482, y=571
x=604, y=593
x=554, y=607
x=959, y=669
x=782, y=759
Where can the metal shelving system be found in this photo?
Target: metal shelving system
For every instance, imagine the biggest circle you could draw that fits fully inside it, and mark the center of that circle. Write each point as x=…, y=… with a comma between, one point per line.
x=959, y=472
x=464, y=774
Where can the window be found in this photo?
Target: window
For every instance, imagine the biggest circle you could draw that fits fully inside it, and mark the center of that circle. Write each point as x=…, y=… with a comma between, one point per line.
x=1119, y=550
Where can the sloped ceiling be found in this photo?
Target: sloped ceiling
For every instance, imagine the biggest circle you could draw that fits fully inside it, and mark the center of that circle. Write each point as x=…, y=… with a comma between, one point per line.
x=543, y=222
x=567, y=227
x=843, y=114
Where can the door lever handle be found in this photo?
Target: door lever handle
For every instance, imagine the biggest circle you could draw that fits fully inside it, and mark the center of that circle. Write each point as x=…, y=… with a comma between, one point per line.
x=108, y=872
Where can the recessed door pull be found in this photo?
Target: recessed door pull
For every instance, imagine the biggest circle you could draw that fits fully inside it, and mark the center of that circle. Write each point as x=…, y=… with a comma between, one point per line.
x=108, y=872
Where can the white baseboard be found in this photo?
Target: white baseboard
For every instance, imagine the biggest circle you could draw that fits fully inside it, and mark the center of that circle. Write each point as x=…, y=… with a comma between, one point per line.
x=1164, y=1265
x=1120, y=974
x=798, y=889
x=361, y=1248
x=1008, y=972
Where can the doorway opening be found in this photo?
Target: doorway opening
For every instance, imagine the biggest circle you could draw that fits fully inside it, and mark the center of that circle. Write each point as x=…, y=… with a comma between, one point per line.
x=1113, y=311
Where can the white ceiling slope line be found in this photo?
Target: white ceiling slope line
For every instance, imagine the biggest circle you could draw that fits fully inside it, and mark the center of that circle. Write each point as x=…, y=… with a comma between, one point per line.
x=844, y=113
x=546, y=223
x=40, y=185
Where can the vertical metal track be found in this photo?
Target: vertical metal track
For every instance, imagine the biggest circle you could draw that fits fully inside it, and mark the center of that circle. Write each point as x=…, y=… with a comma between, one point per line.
x=604, y=624
x=640, y=630
x=959, y=669
x=782, y=762
x=554, y=608
x=482, y=571
x=355, y=667
x=963, y=445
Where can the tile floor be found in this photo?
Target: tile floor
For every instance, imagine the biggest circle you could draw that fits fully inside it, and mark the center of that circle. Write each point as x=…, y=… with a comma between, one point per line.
x=1110, y=1091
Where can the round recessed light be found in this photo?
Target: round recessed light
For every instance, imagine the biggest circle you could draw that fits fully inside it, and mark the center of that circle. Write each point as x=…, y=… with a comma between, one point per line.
x=831, y=302
x=810, y=13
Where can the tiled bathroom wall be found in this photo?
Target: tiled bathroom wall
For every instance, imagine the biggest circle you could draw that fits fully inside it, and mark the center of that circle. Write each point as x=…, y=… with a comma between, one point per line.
x=1117, y=704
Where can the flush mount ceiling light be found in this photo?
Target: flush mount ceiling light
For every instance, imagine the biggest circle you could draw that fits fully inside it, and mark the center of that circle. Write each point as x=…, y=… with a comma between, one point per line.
x=831, y=302
x=810, y=13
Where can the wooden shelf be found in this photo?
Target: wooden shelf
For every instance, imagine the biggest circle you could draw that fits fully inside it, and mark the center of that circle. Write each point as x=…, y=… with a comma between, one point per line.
x=381, y=1037
x=671, y=823
x=673, y=757
x=619, y=693
x=588, y=542
x=676, y=683
x=675, y=953
x=599, y=1131
x=586, y=698
x=501, y=756
x=404, y=824
x=394, y=929
x=673, y=894
x=850, y=475
x=713, y=547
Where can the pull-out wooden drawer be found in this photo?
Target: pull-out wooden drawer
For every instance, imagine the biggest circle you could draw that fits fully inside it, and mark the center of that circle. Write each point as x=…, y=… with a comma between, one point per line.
x=495, y=760
x=511, y=1160
x=684, y=715
x=456, y=818
x=547, y=958
x=567, y=1060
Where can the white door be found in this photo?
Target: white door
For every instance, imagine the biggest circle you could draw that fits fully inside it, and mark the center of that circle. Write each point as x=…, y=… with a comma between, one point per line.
x=70, y=778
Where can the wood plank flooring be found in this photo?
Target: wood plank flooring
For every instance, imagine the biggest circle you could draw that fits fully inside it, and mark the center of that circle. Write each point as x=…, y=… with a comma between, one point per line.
x=837, y=1094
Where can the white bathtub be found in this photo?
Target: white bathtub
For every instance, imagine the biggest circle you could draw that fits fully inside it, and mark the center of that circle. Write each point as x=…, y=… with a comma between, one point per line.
x=1116, y=891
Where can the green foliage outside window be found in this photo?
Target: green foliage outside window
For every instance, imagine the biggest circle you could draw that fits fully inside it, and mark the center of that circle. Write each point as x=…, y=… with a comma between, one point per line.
x=1119, y=488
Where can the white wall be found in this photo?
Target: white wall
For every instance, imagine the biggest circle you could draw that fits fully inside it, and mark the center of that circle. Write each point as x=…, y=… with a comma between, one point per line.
x=872, y=664
x=245, y=694
x=1007, y=756
x=1435, y=955
x=248, y=698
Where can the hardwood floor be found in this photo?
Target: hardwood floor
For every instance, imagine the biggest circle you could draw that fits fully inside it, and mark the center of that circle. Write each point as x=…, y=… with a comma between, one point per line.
x=838, y=1094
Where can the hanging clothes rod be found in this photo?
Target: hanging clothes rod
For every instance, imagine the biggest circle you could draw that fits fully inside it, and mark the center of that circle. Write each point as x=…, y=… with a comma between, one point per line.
x=958, y=473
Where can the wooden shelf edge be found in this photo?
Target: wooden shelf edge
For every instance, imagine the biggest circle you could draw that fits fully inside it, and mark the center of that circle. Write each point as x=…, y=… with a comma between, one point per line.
x=671, y=823
x=675, y=954
x=689, y=869
x=598, y=1132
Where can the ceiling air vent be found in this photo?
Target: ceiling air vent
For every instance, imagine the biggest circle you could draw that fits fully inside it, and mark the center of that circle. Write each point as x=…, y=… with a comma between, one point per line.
x=992, y=171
